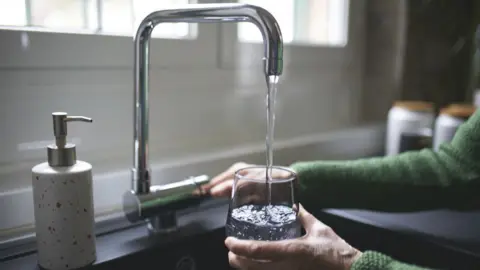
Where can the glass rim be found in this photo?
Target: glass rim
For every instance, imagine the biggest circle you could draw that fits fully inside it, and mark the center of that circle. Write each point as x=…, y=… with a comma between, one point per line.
x=290, y=178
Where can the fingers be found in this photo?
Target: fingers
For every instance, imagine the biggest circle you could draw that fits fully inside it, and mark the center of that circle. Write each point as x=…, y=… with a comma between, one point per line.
x=240, y=262
x=307, y=219
x=313, y=226
x=226, y=175
x=263, y=250
x=223, y=189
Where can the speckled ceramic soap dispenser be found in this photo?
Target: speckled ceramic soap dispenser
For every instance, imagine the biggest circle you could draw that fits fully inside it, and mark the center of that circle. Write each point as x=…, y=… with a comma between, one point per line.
x=63, y=203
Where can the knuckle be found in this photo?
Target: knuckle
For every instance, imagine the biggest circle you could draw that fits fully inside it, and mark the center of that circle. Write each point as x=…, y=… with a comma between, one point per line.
x=293, y=248
x=299, y=250
x=254, y=249
x=231, y=259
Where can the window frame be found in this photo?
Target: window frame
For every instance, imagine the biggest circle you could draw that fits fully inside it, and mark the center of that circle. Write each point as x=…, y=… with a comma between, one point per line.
x=31, y=48
x=297, y=55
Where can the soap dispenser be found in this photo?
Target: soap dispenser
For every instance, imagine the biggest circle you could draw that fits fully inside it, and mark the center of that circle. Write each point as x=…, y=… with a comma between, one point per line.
x=63, y=203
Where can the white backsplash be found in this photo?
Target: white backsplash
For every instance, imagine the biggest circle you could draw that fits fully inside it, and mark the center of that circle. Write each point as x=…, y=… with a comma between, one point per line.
x=192, y=111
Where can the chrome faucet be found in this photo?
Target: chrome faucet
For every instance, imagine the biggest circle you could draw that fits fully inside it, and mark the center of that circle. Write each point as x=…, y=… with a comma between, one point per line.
x=145, y=201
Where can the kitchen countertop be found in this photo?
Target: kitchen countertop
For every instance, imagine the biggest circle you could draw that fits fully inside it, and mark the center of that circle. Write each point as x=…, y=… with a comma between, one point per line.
x=454, y=229
x=208, y=216
x=454, y=232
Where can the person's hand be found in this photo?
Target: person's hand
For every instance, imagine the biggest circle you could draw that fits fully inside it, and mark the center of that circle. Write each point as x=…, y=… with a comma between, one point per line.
x=221, y=185
x=320, y=248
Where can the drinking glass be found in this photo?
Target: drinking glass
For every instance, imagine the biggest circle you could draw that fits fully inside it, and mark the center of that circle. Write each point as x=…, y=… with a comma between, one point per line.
x=261, y=211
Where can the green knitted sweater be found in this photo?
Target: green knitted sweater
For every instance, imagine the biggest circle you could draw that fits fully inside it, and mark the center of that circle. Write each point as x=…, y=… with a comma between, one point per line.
x=411, y=181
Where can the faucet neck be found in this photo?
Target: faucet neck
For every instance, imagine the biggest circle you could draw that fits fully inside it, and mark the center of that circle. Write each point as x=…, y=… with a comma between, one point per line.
x=273, y=51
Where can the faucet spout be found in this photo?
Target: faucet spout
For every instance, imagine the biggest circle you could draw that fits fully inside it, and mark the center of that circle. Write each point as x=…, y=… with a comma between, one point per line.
x=273, y=64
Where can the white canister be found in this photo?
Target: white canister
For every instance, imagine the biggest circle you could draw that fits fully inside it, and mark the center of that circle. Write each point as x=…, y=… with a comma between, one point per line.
x=409, y=126
x=63, y=204
x=476, y=98
x=448, y=121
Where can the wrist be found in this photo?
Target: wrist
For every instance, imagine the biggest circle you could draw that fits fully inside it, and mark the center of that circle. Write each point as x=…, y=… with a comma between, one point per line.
x=351, y=258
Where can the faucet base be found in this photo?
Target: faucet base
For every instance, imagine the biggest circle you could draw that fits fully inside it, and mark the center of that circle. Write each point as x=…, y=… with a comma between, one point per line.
x=163, y=223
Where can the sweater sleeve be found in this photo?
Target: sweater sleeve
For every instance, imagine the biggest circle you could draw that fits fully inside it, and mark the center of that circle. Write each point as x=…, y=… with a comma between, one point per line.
x=371, y=260
x=411, y=181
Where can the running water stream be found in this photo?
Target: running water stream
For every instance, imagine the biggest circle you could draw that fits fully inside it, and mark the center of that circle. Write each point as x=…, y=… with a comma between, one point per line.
x=272, y=82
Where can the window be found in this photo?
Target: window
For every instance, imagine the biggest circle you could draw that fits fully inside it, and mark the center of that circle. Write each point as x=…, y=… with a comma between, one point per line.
x=112, y=10
x=12, y=13
x=317, y=22
x=59, y=14
x=103, y=16
x=283, y=13
x=106, y=28
x=317, y=34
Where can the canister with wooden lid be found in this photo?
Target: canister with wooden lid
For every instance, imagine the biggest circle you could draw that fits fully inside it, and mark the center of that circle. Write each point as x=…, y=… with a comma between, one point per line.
x=409, y=126
x=449, y=120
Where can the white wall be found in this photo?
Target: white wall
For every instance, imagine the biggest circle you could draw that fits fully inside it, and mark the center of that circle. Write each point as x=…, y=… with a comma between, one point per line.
x=192, y=111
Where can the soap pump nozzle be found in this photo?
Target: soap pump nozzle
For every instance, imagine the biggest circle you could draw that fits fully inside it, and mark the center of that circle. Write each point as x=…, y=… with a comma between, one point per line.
x=62, y=153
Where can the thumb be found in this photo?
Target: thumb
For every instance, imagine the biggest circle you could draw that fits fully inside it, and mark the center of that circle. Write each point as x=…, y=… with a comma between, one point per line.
x=307, y=219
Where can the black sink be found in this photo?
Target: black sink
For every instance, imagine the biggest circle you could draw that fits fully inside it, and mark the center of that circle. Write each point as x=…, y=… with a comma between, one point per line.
x=199, y=244
x=201, y=252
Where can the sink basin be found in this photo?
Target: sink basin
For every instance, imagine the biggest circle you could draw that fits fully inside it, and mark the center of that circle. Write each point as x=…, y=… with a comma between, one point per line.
x=202, y=252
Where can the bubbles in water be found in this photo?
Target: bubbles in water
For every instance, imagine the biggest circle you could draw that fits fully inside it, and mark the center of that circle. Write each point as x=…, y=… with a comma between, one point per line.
x=250, y=222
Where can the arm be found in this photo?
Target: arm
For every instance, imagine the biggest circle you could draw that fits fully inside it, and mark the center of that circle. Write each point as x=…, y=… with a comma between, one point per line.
x=371, y=260
x=416, y=180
